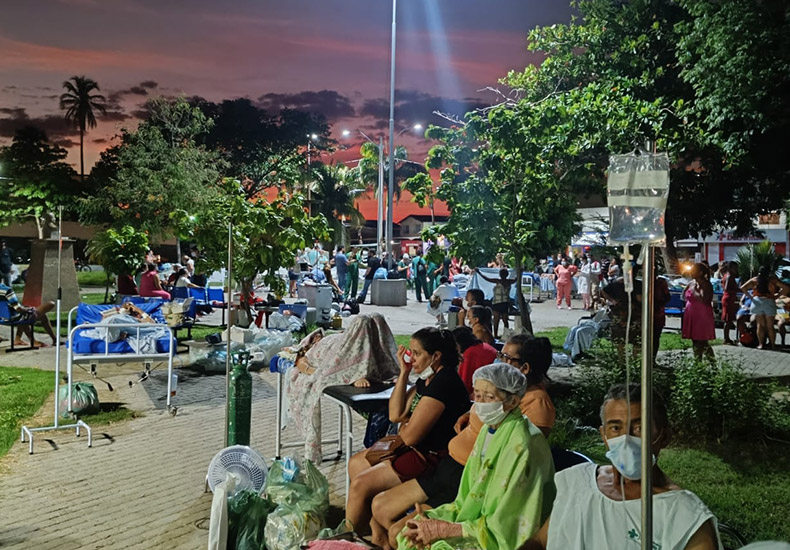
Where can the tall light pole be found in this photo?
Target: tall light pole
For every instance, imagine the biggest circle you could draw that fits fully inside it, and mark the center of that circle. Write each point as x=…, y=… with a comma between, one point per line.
x=391, y=187
x=380, y=187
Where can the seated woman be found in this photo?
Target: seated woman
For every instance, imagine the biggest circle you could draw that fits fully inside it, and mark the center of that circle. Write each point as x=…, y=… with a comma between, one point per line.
x=532, y=356
x=150, y=285
x=480, y=321
x=474, y=354
x=364, y=352
x=507, y=486
x=427, y=413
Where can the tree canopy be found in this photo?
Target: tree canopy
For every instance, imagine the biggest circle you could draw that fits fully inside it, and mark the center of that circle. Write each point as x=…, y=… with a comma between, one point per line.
x=158, y=168
x=266, y=235
x=35, y=180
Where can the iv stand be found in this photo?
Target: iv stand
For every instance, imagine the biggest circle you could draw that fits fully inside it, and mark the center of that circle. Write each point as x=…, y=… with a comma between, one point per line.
x=56, y=425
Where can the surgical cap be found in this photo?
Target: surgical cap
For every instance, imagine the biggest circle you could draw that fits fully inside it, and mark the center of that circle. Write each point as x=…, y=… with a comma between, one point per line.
x=504, y=377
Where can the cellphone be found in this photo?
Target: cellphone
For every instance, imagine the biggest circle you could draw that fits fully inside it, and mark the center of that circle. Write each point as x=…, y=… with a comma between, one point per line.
x=407, y=356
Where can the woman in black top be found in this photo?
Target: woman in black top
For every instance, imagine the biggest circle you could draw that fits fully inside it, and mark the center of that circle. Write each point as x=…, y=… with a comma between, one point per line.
x=427, y=413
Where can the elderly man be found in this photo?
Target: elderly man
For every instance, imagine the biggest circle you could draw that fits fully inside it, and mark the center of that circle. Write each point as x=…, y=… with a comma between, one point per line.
x=599, y=507
x=23, y=312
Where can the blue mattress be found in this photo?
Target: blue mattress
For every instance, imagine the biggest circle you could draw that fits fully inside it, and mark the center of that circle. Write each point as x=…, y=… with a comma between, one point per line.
x=92, y=314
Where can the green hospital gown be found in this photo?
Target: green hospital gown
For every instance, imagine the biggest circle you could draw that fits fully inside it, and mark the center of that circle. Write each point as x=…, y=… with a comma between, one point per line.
x=505, y=498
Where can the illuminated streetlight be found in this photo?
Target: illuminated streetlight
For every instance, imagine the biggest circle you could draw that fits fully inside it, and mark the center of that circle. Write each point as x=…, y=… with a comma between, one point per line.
x=380, y=237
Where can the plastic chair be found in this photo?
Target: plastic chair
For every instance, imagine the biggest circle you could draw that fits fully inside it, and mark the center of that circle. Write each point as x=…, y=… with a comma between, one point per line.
x=7, y=319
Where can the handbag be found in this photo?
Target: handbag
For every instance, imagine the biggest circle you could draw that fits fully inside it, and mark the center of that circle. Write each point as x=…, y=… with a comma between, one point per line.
x=385, y=449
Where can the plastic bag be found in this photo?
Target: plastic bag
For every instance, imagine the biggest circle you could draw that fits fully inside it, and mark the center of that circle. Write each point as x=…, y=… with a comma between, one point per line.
x=218, y=522
x=247, y=519
x=302, y=498
x=638, y=189
x=84, y=399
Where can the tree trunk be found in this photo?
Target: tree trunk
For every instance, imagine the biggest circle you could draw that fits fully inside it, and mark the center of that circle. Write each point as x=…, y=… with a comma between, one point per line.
x=82, y=156
x=670, y=253
x=106, y=286
x=523, y=307
x=433, y=217
x=178, y=250
x=246, y=291
x=40, y=226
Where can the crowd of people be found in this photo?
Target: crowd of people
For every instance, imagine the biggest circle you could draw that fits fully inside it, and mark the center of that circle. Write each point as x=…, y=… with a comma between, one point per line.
x=470, y=466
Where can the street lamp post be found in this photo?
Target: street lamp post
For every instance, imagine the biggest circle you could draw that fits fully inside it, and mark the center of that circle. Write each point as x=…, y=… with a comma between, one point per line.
x=380, y=185
x=391, y=187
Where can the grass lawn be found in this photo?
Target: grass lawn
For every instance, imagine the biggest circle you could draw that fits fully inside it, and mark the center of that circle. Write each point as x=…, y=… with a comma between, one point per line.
x=22, y=392
x=94, y=278
x=745, y=485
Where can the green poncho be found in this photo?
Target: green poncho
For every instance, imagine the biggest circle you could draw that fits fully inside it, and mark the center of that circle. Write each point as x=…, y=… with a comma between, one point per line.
x=505, y=498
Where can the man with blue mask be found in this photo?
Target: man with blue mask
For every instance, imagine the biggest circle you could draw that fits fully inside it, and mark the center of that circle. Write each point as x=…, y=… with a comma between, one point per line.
x=600, y=506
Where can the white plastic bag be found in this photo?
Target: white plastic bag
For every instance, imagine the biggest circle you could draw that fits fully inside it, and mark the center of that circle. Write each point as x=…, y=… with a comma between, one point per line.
x=638, y=189
x=218, y=523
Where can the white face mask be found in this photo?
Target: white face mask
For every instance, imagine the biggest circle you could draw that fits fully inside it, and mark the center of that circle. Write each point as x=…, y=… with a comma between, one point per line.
x=425, y=374
x=625, y=454
x=491, y=413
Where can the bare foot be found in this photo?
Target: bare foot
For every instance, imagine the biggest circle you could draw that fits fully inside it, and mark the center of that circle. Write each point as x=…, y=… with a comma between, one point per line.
x=362, y=383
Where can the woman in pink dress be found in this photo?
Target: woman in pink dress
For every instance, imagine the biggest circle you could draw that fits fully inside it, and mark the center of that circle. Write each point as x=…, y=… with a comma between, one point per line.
x=150, y=285
x=698, y=323
x=564, y=273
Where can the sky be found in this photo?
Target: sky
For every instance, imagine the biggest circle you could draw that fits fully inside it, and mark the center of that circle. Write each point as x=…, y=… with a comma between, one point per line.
x=331, y=56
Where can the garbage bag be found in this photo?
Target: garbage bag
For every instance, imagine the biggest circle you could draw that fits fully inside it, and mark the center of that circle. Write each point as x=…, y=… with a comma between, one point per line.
x=84, y=399
x=247, y=518
x=302, y=498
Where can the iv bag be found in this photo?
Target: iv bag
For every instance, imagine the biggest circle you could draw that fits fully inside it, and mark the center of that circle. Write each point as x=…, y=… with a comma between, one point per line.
x=637, y=193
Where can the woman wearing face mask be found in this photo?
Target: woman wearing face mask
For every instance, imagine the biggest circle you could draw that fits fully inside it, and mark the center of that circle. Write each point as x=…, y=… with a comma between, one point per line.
x=564, y=273
x=507, y=485
x=531, y=356
x=426, y=412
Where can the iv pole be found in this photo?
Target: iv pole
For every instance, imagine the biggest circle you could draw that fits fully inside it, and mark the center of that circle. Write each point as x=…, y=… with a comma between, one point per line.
x=57, y=426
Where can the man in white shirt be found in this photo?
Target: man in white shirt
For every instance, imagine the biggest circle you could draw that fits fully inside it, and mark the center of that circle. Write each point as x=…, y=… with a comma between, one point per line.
x=600, y=506
x=441, y=299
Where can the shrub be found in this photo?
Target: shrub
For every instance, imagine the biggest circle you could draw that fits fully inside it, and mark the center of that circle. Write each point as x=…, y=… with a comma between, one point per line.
x=602, y=369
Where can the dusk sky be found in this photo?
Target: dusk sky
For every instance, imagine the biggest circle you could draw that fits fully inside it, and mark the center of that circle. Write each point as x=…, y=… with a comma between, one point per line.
x=330, y=56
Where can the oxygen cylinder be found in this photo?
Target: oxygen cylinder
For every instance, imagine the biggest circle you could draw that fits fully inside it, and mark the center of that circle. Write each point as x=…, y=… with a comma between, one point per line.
x=239, y=403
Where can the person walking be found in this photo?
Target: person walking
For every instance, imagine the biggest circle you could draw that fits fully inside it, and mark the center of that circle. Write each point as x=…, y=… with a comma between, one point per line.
x=434, y=269
x=341, y=265
x=353, y=275
x=564, y=273
x=698, y=323
x=373, y=264
x=419, y=270
x=585, y=282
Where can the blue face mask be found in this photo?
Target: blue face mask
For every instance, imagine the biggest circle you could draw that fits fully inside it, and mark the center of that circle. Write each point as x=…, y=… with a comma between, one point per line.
x=625, y=454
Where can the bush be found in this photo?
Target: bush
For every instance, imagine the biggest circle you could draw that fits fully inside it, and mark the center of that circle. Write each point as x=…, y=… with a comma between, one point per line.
x=706, y=401
x=716, y=401
x=601, y=370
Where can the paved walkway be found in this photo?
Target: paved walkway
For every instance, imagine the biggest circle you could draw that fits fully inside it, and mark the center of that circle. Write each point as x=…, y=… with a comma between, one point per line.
x=141, y=485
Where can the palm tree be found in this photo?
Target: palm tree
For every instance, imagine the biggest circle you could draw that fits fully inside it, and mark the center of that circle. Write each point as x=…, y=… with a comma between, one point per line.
x=334, y=192
x=80, y=105
x=367, y=170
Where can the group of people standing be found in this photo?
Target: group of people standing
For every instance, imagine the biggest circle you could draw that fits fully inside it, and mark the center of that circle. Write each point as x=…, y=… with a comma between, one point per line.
x=590, y=275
